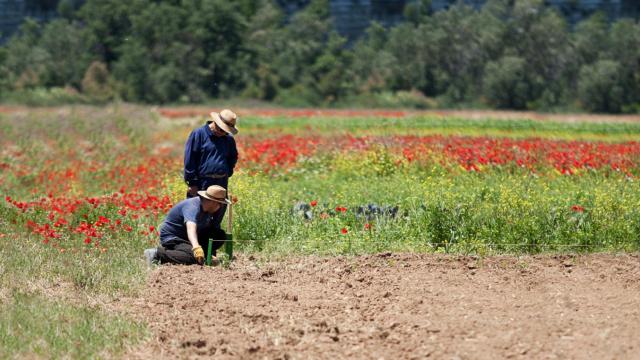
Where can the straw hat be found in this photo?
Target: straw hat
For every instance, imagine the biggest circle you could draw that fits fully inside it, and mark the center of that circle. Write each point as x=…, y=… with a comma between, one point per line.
x=226, y=120
x=216, y=193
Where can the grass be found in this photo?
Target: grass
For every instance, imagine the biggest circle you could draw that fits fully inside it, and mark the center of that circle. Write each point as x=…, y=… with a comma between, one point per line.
x=34, y=323
x=33, y=326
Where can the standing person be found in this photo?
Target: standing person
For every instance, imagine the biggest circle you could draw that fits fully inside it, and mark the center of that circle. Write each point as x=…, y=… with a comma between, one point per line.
x=188, y=227
x=210, y=155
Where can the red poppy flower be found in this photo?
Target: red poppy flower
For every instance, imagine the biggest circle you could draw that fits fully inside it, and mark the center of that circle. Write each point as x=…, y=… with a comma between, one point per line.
x=344, y=231
x=87, y=240
x=367, y=226
x=313, y=203
x=577, y=208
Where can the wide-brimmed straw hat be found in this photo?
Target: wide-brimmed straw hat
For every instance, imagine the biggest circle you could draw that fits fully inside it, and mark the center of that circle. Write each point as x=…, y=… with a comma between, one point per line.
x=216, y=193
x=226, y=120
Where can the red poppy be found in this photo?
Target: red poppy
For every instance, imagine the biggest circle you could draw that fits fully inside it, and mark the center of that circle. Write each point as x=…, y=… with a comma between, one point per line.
x=367, y=226
x=313, y=203
x=577, y=208
x=87, y=240
x=344, y=231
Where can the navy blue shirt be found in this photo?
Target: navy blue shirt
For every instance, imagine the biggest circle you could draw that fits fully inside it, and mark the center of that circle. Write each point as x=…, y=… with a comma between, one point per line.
x=174, y=228
x=208, y=154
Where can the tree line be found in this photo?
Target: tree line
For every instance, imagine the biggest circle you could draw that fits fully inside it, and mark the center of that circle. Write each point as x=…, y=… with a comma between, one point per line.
x=510, y=54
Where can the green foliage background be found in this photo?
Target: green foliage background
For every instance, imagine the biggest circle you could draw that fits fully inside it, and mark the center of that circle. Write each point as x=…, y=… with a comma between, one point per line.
x=510, y=54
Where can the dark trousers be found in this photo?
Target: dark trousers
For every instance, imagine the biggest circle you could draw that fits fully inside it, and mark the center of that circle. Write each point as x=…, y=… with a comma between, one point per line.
x=203, y=185
x=182, y=252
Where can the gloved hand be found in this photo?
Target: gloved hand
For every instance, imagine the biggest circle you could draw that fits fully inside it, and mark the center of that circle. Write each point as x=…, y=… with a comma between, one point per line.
x=198, y=253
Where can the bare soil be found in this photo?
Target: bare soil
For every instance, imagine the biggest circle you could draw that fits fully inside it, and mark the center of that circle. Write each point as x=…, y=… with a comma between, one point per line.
x=395, y=306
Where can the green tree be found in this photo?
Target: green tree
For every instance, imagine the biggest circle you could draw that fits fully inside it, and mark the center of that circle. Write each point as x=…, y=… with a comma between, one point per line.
x=540, y=35
x=67, y=47
x=147, y=66
x=262, y=40
x=66, y=9
x=417, y=12
x=371, y=68
x=590, y=39
x=308, y=57
x=470, y=40
x=26, y=60
x=625, y=49
x=109, y=24
x=133, y=72
x=599, y=86
x=183, y=52
x=217, y=28
x=301, y=42
x=327, y=73
x=506, y=84
x=5, y=83
x=414, y=57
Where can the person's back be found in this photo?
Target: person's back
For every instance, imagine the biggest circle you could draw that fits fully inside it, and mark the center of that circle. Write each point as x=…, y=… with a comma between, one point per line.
x=174, y=226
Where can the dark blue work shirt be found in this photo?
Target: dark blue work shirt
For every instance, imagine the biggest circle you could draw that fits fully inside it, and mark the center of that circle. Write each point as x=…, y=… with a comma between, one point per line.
x=174, y=227
x=208, y=154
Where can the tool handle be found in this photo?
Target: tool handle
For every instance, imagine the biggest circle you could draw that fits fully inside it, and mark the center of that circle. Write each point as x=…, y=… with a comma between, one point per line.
x=228, y=245
x=209, y=252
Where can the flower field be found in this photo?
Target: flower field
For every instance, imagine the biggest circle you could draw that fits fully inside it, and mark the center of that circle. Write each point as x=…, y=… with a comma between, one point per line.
x=85, y=189
x=337, y=183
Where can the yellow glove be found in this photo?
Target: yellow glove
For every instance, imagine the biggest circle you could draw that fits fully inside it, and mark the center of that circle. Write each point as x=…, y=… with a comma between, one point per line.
x=198, y=253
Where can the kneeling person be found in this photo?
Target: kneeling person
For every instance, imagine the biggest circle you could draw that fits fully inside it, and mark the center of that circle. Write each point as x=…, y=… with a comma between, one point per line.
x=188, y=227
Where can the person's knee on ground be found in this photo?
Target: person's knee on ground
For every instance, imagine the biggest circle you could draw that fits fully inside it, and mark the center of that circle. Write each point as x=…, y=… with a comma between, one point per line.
x=181, y=253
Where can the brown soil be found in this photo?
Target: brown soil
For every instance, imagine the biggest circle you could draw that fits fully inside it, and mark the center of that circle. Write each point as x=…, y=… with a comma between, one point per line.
x=396, y=306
